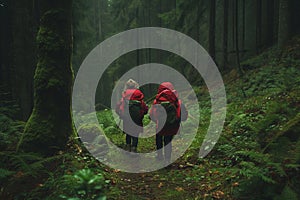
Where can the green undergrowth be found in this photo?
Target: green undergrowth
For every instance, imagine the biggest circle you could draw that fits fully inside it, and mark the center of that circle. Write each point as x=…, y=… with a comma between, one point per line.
x=72, y=175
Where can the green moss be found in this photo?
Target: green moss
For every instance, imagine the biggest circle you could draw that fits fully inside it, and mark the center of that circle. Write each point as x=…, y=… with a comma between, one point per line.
x=55, y=83
x=43, y=134
x=50, y=124
x=48, y=40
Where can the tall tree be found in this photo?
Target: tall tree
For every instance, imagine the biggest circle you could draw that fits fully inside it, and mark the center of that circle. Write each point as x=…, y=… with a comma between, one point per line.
x=270, y=23
x=225, y=32
x=17, y=54
x=98, y=20
x=284, y=27
x=50, y=123
x=243, y=24
x=5, y=47
x=237, y=48
x=258, y=25
x=212, y=25
x=237, y=44
x=23, y=60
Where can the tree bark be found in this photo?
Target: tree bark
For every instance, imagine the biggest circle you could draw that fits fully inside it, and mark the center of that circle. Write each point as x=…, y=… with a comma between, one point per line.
x=237, y=47
x=21, y=59
x=225, y=33
x=243, y=24
x=284, y=27
x=98, y=21
x=212, y=25
x=258, y=26
x=270, y=23
x=5, y=40
x=50, y=124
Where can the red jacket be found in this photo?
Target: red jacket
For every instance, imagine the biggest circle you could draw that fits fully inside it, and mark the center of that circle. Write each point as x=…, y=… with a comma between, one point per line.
x=166, y=92
x=132, y=94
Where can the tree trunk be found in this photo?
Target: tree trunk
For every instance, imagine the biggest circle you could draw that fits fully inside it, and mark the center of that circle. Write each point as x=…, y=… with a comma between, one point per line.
x=5, y=40
x=237, y=47
x=284, y=27
x=50, y=124
x=212, y=24
x=243, y=24
x=21, y=54
x=270, y=23
x=258, y=26
x=98, y=21
x=225, y=33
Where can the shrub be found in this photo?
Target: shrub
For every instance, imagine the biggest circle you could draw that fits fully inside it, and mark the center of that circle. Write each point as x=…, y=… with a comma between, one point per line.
x=84, y=184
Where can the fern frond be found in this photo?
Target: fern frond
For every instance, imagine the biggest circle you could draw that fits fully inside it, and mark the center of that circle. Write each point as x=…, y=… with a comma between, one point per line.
x=29, y=163
x=5, y=173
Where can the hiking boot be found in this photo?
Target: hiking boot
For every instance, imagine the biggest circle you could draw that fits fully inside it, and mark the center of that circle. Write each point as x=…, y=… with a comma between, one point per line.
x=127, y=147
x=134, y=149
x=159, y=156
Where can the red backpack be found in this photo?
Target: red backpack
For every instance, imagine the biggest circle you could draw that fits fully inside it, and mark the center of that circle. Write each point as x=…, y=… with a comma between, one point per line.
x=171, y=105
x=131, y=101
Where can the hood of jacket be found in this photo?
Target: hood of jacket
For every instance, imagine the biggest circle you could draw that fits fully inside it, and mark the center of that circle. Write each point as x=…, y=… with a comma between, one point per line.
x=133, y=94
x=167, y=86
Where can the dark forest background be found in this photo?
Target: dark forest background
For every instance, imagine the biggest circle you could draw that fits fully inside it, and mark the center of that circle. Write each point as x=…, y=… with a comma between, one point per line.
x=230, y=30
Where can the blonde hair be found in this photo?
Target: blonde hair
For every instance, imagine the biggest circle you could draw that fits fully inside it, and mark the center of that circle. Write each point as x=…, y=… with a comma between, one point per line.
x=131, y=84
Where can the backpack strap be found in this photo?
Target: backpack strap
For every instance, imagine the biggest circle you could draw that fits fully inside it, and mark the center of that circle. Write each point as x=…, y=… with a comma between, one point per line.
x=178, y=109
x=163, y=96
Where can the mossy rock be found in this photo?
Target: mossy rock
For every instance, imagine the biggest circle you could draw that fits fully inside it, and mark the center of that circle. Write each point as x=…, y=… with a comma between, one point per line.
x=94, y=139
x=89, y=132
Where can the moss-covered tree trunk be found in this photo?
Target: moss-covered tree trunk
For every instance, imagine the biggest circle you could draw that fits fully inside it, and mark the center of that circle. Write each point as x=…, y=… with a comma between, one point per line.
x=50, y=123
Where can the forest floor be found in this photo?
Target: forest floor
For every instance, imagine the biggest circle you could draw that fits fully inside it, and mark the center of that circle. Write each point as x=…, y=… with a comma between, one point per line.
x=256, y=157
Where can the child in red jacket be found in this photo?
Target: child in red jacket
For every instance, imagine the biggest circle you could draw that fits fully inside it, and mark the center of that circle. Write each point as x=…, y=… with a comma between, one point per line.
x=167, y=103
x=131, y=109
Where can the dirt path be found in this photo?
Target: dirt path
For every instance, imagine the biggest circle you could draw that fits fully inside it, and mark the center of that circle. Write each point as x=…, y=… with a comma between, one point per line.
x=178, y=181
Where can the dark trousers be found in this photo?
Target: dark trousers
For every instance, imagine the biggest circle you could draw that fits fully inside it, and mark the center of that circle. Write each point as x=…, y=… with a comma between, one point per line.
x=162, y=141
x=132, y=141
